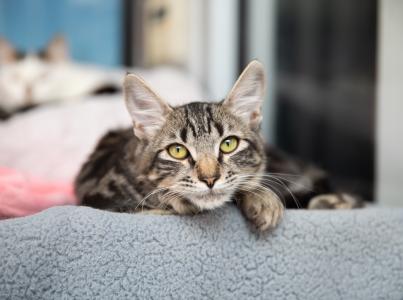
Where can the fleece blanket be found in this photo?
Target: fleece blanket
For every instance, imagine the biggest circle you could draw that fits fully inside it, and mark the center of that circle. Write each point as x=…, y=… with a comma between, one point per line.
x=83, y=253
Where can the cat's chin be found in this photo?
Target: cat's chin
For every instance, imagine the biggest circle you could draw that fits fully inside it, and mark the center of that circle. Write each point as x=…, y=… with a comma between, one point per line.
x=208, y=201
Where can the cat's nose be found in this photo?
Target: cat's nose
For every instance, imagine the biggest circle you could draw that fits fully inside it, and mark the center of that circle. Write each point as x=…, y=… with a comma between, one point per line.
x=28, y=94
x=210, y=181
x=208, y=169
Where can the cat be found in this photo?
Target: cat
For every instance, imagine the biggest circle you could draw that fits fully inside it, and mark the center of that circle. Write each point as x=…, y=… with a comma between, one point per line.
x=197, y=157
x=31, y=79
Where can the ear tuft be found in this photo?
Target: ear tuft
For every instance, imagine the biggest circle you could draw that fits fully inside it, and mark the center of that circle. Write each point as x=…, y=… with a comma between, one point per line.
x=7, y=52
x=245, y=98
x=57, y=49
x=147, y=110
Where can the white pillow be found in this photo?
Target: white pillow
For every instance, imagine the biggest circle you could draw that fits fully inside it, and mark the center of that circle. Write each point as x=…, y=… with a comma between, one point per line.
x=53, y=141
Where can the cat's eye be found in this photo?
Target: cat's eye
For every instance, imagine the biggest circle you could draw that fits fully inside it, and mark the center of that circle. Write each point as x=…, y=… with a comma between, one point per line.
x=178, y=151
x=229, y=144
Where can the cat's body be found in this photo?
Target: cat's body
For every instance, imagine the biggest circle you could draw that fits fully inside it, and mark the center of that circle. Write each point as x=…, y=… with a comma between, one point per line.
x=124, y=169
x=31, y=79
x=196, y=157
x=295, y=182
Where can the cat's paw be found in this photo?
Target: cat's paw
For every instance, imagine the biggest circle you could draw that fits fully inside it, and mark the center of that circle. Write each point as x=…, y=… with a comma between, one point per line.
x=335, y=201
x=155, y=211
x=183, y=207
x=264, y=212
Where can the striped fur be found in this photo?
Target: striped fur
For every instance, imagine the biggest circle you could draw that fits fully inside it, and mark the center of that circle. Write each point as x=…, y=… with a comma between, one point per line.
x=123, y=169
x=131, y=169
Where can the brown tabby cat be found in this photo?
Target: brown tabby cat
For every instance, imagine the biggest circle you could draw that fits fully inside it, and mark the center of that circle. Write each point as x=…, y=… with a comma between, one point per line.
x=197, y=157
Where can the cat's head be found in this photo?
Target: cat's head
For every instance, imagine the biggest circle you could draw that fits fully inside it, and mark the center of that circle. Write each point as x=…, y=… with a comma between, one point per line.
x=23, y=75
x=202, y=151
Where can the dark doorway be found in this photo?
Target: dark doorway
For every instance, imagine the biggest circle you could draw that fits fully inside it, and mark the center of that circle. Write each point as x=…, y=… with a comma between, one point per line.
x=326, y=87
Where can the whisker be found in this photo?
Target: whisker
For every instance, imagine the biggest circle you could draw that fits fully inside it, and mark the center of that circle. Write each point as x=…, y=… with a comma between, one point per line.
x=270, y=179
x=148, y=196
x=264, y=188
x=278, y=178
x=166, y=198
x=282, y=184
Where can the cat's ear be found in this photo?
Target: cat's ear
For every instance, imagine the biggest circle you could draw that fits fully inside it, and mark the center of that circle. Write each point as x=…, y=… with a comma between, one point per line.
x=246, y=96
x=7, y=52
x=147, y=110
x=57, y=50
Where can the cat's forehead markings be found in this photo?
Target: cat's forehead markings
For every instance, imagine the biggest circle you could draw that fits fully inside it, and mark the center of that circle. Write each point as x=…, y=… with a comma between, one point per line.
x=212, y=121
x=184, y=134
x=201, y=120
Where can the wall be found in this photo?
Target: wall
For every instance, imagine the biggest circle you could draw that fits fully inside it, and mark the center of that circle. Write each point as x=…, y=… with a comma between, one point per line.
x=261, y=18
x=93, y=27
x=390, y=104
x=213, y=40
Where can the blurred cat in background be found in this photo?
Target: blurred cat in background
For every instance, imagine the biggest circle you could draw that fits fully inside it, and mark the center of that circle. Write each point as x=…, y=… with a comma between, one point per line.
x=31, y=79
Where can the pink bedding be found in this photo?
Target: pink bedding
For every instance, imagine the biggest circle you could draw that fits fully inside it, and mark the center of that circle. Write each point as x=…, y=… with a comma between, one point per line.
x=22, y=195
x=42, y=150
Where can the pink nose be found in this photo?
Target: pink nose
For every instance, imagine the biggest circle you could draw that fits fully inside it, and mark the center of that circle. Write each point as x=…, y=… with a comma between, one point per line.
x=208, y=169
x=210, y=181
x=28, y=94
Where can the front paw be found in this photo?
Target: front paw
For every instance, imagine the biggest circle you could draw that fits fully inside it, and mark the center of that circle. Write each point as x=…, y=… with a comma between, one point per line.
x=183, y=207
x=155, y=211
x=264, y=210
x=335, y=201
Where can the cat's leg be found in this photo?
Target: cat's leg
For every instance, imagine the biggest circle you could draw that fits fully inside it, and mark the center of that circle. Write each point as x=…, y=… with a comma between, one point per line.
x=335, y=201
x=173, y=206
x=262, y=207
x=183, y=207
x=160, y=212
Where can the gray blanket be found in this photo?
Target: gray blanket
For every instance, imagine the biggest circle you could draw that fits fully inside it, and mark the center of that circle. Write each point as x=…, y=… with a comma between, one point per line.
x=82, y=253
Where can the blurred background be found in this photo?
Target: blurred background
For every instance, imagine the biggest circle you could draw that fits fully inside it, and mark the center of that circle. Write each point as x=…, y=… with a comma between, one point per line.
x=335, y=68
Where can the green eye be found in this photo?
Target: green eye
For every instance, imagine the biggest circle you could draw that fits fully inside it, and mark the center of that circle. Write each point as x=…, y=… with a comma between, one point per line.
x=178, y=151
x=229, y=144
